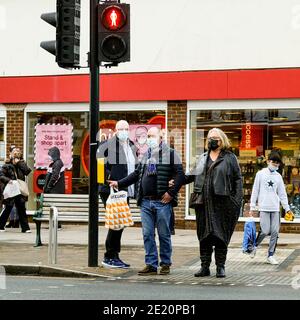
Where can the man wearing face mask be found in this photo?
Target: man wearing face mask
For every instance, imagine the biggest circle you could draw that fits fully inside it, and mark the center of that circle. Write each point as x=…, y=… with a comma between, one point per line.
x=268, y=192
x=120, y=156
x=158, y=166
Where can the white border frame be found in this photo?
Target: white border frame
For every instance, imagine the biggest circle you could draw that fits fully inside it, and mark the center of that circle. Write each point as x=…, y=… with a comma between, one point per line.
x=231, y=105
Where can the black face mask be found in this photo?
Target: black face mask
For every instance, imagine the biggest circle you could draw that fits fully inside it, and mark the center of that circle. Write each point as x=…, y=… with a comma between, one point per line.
x=213, y=144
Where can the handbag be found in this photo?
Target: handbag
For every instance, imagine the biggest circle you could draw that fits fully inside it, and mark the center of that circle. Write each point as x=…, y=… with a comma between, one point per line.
x=196, y=199
x=23, y=186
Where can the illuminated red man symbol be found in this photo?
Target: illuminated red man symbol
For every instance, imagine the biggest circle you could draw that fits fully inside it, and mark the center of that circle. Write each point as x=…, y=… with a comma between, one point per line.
x=113, y=17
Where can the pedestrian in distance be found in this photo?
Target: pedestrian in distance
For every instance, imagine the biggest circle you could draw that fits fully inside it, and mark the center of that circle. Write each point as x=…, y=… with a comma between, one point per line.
x=55, y=177
x=268, y=192
x=15, y=168
x=219, y=191
x=158, y=166
x=13, y=216
x=120, y=155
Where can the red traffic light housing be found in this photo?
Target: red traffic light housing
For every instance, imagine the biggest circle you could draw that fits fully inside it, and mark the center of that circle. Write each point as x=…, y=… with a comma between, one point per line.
x=113, y=32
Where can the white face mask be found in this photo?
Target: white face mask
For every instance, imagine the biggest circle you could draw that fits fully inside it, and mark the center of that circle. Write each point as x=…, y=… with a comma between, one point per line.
x=142, y=140
x=50, y=158
x=123, y=135
x=152, y=143
x=272, y=168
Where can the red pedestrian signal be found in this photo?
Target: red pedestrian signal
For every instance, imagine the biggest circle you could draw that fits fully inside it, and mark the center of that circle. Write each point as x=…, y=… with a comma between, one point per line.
x=113, y=18
x=113, y=32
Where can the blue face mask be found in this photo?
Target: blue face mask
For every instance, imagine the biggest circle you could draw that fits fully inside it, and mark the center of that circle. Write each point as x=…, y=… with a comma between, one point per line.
x=152, y=143
x=123, y=135
x=272, y=168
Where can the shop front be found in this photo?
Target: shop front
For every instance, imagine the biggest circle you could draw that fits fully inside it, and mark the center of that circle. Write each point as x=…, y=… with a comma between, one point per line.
x=67, y=126
x=254, y=129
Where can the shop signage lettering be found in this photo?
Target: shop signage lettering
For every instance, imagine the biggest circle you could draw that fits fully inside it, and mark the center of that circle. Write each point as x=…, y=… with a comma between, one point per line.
x=52, y=141
x=248, y=136
x=53, y=135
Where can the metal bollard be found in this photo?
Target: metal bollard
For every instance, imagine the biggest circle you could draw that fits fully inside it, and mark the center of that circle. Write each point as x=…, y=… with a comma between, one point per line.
x=52, y=248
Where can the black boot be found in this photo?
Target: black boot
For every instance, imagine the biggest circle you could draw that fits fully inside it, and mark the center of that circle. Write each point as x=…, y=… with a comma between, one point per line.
x=220, y=256
x=203, y=272
x=205, y=257
x=220, y=272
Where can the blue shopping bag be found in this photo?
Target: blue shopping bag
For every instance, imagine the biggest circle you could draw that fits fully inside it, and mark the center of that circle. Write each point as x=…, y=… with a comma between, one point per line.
x=249, y=240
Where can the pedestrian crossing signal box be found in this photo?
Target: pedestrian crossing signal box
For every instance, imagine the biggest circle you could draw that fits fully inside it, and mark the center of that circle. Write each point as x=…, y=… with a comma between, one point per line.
x=100, y=170
x=113, y=32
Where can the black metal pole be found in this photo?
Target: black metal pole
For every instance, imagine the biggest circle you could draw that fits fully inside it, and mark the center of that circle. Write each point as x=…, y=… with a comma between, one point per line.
x=94, y=124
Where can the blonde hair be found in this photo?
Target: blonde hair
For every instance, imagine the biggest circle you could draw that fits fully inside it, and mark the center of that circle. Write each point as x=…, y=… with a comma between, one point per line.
x=225, y=143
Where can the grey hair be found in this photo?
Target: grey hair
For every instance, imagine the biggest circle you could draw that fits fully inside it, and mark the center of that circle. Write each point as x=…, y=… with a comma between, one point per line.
x=225, y=143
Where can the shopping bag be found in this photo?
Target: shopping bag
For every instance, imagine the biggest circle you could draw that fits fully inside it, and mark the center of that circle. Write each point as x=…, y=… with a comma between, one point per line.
x=249, y=239
x=117, y=213
x=23, y=188
x=11, y=190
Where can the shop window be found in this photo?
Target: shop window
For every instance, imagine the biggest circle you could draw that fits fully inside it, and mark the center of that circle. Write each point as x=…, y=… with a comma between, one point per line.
x=80, y=157
x=253, y=134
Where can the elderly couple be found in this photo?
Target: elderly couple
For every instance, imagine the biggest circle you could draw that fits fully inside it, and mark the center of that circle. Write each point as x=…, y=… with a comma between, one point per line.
x=155, y=182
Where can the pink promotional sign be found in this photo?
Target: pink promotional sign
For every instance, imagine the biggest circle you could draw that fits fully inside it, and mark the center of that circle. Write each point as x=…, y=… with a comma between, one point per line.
x=138, y=135
x=53, y=135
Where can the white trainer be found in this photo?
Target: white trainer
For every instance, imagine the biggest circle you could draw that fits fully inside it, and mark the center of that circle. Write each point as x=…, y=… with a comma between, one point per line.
x=272, y=260
x=253, y=253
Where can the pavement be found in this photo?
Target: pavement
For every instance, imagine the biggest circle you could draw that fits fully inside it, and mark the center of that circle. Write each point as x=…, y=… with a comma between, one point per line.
x=19, y=257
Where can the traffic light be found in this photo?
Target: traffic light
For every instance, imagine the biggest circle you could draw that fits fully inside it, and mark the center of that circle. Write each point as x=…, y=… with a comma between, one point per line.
x=113, y=32
x=66, y=19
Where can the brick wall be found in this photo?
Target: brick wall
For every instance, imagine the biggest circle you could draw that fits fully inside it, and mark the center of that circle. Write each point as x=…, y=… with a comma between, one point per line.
x=14, y=126
x=177, y=121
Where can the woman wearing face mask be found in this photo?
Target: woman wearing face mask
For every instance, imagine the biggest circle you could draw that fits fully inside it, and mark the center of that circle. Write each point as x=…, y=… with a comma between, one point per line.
x=268, y=192
x=218, y=182
x=55, y=178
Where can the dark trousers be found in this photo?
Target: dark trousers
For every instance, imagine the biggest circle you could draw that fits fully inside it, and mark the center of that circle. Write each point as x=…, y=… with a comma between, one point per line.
x=19, y=202
x=113, y=238
x=206, y=250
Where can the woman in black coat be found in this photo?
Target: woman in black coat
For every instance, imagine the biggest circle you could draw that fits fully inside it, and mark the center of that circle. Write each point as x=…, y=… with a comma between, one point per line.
x=217, y=179
x=14, y=168
x=55, y=178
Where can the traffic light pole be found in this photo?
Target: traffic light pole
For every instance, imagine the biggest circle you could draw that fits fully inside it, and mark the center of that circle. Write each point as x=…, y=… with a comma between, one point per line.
x=94, y=127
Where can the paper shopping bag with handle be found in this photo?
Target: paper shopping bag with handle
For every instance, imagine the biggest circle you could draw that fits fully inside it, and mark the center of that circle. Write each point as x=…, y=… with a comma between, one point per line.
x=117, y=213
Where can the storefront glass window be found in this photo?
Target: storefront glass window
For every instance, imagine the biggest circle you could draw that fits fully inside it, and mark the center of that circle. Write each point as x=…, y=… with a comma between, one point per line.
x=80, y=124
x=253, y=134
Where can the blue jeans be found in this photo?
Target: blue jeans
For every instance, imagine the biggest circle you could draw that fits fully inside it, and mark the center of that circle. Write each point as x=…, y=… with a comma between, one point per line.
x=156, y=214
